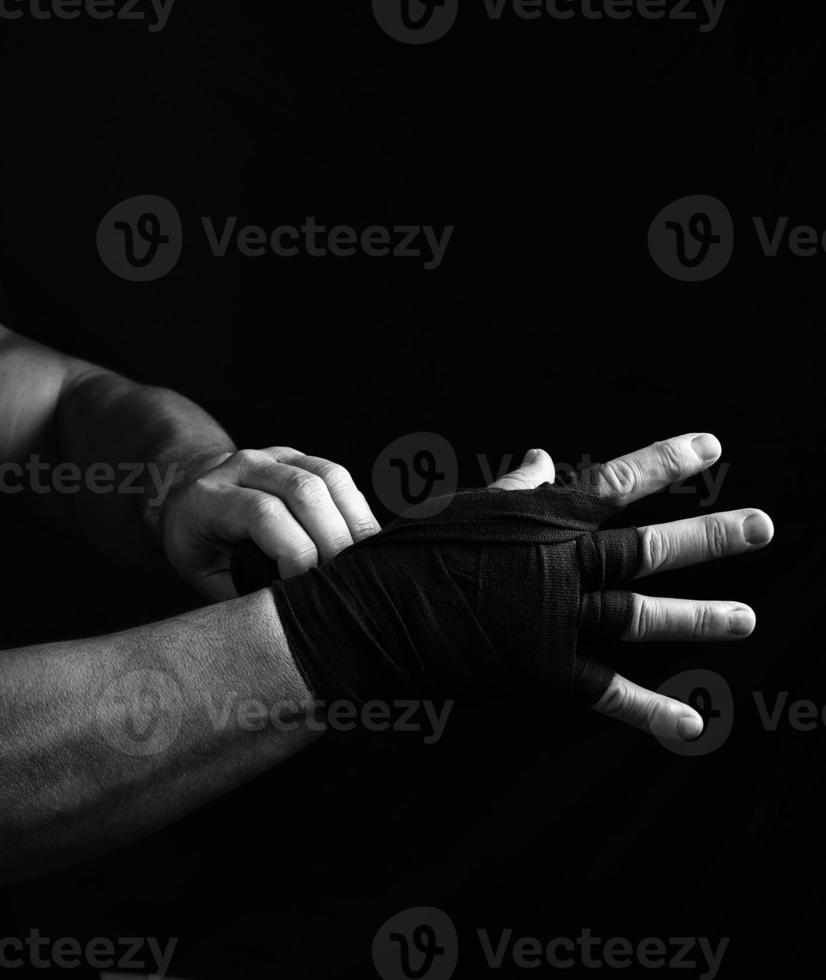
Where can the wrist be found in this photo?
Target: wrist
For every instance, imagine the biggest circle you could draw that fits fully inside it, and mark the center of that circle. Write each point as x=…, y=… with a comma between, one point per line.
x=174, y=470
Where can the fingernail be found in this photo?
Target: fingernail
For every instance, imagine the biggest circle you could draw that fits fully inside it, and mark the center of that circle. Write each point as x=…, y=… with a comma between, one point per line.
x=530, y=456
x=757, y=529
x=740, y=622
x=706, y=446
x=688, y=727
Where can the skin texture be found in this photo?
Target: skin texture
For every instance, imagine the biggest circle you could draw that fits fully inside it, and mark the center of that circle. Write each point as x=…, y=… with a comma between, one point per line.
x=68, y=788
x=73, y=784
x=104, y=740
x=197, y=494
x=300, y=510
x=665, y=547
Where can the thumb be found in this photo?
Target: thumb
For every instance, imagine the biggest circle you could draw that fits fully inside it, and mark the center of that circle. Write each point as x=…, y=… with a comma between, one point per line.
x=537, y=468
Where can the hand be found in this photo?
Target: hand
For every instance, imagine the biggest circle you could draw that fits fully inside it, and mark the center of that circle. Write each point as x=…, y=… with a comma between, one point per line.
x=664, y=547
x=300, y=510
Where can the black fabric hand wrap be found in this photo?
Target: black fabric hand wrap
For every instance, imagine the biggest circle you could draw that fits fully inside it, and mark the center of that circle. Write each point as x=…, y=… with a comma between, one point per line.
x=481, y=594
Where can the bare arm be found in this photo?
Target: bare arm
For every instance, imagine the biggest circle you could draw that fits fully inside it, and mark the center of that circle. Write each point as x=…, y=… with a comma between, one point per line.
x=58, y=411
x=105, y=740
x=142, y=471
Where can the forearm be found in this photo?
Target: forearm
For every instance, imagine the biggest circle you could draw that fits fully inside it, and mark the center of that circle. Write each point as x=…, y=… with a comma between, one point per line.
x=91, y=451
x=154, y=438
x=105, y=740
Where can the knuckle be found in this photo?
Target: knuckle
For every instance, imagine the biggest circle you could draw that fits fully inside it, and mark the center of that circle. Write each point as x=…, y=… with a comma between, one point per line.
x=336, y=477
x=206, y=496
x=519, y=480
x=612, y=701
x=633, y=705
x=283, y=453
x=248, y=457
x=658, y=713
x=266, y=510
x=669, y=460
x=648, y=708
x=716, y=535
x=702, y=622
x=656, y=549
x=619, y=478
x=644, y=619
x=204, y=486
x=306, y=489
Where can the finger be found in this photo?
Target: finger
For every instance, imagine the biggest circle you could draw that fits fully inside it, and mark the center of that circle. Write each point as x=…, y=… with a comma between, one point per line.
x=305, y=494
x=655, y=713
x=350, y=501
x=537, y=468
x=241, y=513
x=664, y=547
x=687, y=620
x=605, y=614
x=628, y=478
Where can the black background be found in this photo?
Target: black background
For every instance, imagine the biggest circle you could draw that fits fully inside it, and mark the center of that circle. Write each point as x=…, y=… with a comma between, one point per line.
x=550, y=146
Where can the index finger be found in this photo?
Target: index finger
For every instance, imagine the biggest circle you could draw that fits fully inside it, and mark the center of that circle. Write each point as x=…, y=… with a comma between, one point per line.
x=626, y=479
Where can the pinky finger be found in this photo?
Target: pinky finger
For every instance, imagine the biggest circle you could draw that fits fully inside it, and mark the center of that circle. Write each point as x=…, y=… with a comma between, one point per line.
x=655, y=713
